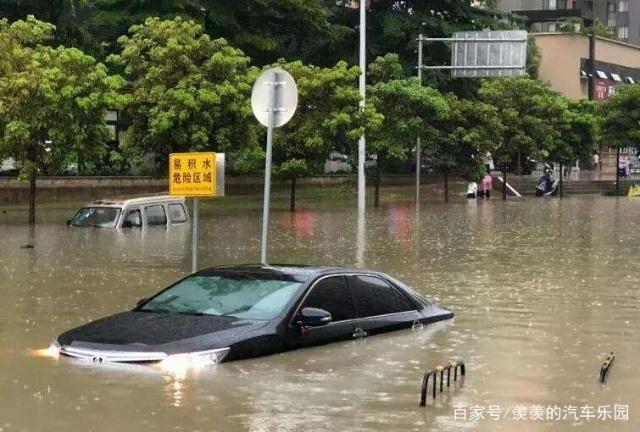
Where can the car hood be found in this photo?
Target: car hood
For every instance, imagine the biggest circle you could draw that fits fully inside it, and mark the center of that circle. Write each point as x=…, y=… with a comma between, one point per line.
x=166, y=332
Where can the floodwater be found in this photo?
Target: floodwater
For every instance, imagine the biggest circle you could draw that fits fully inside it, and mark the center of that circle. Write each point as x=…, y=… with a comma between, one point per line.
x=542, y=290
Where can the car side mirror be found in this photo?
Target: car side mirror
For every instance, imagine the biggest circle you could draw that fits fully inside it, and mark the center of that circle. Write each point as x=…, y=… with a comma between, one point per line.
x=141, y=302
x=68, y=222
x=314, y=317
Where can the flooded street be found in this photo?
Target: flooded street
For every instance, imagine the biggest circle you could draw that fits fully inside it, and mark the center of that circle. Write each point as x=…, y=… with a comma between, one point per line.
x=541, y=289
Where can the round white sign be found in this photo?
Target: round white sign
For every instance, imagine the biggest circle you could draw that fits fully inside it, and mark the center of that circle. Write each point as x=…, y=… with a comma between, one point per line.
x=275, y=91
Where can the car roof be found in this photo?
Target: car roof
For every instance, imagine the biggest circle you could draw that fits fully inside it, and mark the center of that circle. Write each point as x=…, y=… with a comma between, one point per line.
x=134, y=200
x=300, y=272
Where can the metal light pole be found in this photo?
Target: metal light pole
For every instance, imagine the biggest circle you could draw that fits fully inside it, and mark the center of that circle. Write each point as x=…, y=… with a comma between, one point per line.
x=418, y=150
x=363, y=83
x=360, y=230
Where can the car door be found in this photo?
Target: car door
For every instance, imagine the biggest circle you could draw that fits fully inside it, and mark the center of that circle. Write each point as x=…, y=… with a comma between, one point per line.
x=380, y=306
x=332, y=294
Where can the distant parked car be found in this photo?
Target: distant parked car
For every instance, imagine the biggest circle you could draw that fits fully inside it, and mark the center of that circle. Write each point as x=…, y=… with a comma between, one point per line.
x=8, y=168
x=248, y=311
x=337, y=163
x=141, y=212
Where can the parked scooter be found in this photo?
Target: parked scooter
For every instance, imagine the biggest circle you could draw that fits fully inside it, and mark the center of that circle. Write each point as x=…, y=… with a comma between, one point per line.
x=547, y=185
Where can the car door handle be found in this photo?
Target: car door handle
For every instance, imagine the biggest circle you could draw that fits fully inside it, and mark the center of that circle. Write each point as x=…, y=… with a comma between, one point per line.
x=359, y=333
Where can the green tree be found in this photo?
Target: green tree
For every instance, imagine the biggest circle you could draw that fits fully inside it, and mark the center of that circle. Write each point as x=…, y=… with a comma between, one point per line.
x=189, y=93
x=580, y=132
x=107, y=20
x=461, y=139
x=63, y=14
x=328, y=118
x=579, y=127
x=268, y=30
x=52, y=102
x=621, y=126
x=526, y=109
x=410, y=111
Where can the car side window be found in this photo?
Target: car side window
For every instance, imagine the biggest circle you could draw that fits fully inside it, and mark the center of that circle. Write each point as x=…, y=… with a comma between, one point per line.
x=133, y=219
x=155, y=215
x=333, y=295
x=404, y=304
x=177, y=214
x=374, y=296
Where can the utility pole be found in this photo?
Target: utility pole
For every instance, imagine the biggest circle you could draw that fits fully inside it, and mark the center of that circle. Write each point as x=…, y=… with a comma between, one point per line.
x=362, y=83
x=591, y=68
x=418, y=149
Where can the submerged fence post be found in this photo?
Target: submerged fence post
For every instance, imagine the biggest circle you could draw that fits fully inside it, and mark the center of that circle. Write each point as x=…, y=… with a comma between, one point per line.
x=439, y=370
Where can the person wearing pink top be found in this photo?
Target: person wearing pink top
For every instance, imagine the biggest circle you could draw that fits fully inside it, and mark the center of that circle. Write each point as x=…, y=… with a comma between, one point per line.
x=486, y=185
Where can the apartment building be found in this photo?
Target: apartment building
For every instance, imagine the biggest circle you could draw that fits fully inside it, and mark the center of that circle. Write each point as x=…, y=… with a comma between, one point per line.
x=622, y=17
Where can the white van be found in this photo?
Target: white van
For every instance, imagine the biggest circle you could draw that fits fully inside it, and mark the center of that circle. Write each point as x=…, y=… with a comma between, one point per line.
x=140, y=212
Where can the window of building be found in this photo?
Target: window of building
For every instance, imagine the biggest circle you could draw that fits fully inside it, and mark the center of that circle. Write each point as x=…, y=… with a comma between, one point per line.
x=611, y=19
x=623, y=32
x=623, y=6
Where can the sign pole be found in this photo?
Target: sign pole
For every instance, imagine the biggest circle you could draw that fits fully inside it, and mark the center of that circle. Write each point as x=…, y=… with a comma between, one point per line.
x=418, y=149
x=194, y=235
x=267, y=167
x=274, y=99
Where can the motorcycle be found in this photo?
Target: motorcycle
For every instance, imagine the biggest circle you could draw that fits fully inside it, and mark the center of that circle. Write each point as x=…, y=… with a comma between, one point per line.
x=547, y=185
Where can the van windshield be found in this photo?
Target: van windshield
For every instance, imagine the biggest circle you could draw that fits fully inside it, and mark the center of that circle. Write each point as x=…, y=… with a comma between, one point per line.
x=100, y=217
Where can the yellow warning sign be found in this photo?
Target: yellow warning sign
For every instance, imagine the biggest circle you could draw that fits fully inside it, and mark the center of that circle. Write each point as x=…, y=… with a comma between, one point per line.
x=192, y=174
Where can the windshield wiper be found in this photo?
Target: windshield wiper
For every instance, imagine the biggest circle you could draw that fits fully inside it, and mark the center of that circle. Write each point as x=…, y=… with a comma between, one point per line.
x=156, y=310
x=169, y=311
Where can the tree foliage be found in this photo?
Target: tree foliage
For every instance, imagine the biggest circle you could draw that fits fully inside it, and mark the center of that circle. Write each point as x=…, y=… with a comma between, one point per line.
x=527, y=109
x=268, y=30
x=621, y=124
x=579, y=132
x=328, y=116
x=52, y=100
x=461, y=139
x=190, y=93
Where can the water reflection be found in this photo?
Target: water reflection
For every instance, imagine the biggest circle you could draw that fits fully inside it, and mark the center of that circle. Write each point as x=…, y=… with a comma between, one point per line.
x=542, y=289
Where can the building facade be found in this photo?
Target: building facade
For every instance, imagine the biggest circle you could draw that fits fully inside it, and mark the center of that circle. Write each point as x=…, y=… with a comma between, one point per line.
x=564, y=64
x=622, y=17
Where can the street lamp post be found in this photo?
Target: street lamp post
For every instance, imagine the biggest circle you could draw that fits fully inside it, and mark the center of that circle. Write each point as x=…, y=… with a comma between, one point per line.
x=362, y=84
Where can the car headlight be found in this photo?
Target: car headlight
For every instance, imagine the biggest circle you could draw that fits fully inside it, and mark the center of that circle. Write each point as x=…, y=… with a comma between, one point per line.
x=180, y=363
x=52, y=351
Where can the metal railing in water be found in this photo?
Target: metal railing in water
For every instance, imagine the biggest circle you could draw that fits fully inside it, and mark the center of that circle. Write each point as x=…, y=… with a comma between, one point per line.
x=604, y=369
x=439, y=370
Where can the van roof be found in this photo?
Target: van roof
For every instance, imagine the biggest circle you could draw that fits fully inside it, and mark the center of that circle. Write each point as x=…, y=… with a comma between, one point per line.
x=133, y=200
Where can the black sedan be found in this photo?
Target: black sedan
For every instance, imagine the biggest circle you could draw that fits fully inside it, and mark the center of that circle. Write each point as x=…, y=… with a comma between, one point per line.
x=248, y=311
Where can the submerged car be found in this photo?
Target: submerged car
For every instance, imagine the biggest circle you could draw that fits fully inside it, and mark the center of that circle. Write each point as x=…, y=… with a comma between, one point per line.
x=240, y=312
x=138, y=212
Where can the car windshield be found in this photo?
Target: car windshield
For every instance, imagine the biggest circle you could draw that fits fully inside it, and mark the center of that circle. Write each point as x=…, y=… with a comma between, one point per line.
x=241, y=296
x=101, y=217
